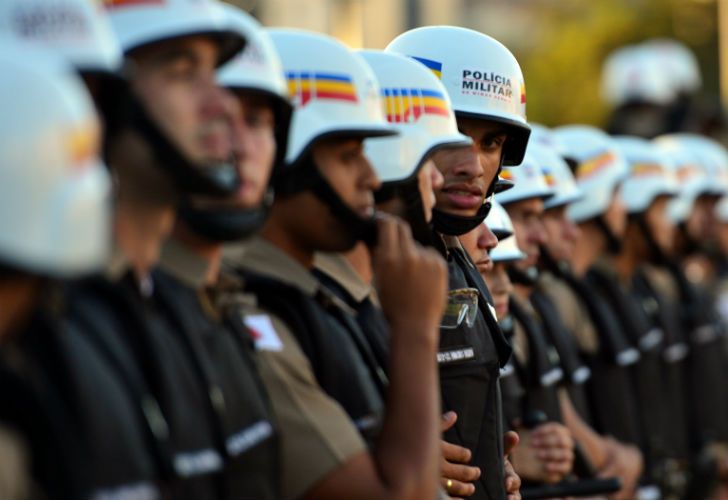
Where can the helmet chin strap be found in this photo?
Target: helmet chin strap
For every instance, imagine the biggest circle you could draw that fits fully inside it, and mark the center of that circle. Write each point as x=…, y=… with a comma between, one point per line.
x=414, y=211
x=614, y=243
x=304, y=175
x=122, y=110
x=225, y=224
x=457, y=225
x=527, y=277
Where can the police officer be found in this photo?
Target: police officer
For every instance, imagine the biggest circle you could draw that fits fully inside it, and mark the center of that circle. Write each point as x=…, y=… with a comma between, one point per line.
x=422, y=115
x=486, y=87
x=314, y=359
x=598, y=215
x=189, y=262
x=167, y=135
x=646, y=193
x=51, y=230
x=687, y=301
x=539, y=454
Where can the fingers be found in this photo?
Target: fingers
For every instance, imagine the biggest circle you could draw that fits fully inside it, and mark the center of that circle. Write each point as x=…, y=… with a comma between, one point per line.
x=460, y=472
x=552, y=436
x=510, y=441
x=457, y=488
x=448, y=420
x=512, y=480
x=455, y=454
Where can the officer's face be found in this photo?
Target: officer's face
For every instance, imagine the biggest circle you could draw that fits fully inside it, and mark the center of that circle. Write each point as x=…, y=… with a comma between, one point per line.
x=468, y=172
x=500, y=287
x=429, y=180
x=662, y=229
x=701, y=220
x=176, y=82
x=478, y=243
x=254, y=144
x=528, y=227
x=561, y=233
x=343, y=164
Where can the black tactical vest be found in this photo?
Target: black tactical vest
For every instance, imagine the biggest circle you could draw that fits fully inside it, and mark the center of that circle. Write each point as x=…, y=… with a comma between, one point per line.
x=576, y=372
x=370, y=318
x=88, y=435
x=612, y=398
x=121, y=316
x=238, y=402
x=339, y=353
x=512, y=390
x=646, y=374
x=674, y=364
x=470, y=359
x=705, y=364
x=542, y=374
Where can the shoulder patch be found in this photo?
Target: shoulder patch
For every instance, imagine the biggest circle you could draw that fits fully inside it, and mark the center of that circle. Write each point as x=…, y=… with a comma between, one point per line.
x=264, y=334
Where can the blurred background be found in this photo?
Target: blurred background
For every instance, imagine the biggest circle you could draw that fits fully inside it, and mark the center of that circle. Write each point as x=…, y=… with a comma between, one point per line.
x=562, y=45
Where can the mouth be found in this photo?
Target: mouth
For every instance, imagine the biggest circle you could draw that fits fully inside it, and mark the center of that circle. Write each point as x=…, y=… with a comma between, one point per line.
x=484, y=265
x=463, y=195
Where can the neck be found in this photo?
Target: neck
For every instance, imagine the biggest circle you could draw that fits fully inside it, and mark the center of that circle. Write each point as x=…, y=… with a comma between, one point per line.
x=285, y=241
x=361, y=260
x=18, y=297
x=587, y=249
x=139, y=232
x=210, y=251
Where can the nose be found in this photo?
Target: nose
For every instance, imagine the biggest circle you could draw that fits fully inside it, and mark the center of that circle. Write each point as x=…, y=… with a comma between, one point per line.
x=217, y=102
x=487, y=239
x=571, y=230
x=467, y=163
x=538, y=232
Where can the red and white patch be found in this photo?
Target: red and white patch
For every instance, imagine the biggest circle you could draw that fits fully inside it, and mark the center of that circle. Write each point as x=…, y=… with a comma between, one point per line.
x=263, y=333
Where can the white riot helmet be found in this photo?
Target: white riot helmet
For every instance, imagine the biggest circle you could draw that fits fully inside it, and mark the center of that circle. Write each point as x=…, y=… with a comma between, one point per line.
x=528, y=178
x=142, y=22
x=556, y=170
x=649, y=175
x=54, y=193
x=333, y=91
x=76, y=29
x=714, y=157
x=417, y=105
x=481, y=76
x=692, y=176
x=258, y=68
x=678, y=62
x=599, y=171
x=633, y=74
x=499, y=222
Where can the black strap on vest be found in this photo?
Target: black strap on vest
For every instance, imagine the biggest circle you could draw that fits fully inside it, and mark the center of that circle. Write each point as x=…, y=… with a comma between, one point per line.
x=542, y=375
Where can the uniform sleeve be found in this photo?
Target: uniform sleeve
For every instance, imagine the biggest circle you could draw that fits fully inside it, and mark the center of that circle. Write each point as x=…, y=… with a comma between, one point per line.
x=317, y=435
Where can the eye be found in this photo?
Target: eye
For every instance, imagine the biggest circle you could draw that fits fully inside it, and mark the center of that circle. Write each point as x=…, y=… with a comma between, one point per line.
x=492, y=141
x=181, y=69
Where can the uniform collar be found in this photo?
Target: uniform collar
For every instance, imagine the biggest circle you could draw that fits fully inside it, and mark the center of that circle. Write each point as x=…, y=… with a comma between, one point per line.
x=182, y=263
x=262, y=257
x=337, y=267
